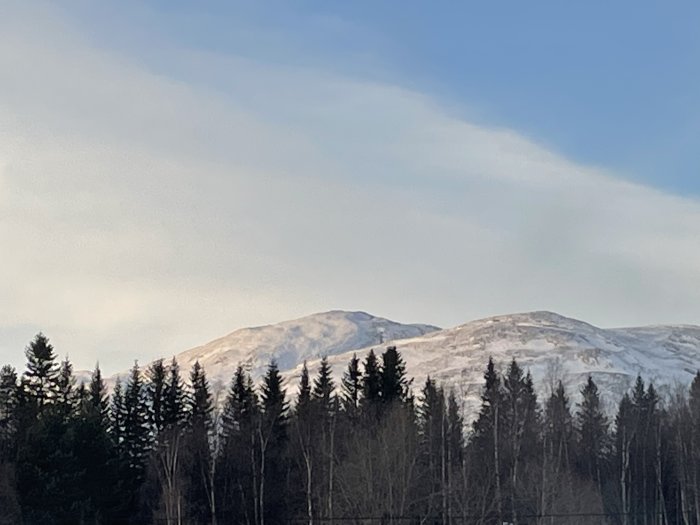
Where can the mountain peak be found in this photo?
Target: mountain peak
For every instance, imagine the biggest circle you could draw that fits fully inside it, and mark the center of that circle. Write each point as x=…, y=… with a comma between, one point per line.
x=291, y=342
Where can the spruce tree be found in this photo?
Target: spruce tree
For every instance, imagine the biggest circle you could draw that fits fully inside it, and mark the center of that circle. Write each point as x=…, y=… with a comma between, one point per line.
x=155, y=389
x=394, y=385
x=487, y=443
x=304, y=394
x=117, y=414
x=351, y=387
x=66, y=395
x=272, y=442
x=238, y=464
x=303, y=440
x=432, y=421
x=174, y=397
x=95, y=453
x=9, y=403
x=324, y=387
x=97, y=395
x=42, y=372
x=199, y=462
x=200, y=403
x=558, y=430
x=137, y=435
x=592, y=438
x=371, y=383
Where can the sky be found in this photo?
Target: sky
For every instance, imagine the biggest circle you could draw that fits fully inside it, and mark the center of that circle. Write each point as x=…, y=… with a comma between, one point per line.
x=172, y=171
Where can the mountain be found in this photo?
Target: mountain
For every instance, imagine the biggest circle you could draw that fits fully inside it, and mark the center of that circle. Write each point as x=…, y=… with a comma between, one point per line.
x=292, y=342
x=551, y=347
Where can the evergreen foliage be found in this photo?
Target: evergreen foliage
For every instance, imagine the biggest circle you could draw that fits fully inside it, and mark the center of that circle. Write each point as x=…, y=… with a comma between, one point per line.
x=159, y=450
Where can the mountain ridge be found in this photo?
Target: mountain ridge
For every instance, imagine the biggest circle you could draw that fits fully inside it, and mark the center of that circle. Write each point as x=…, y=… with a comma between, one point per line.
x=551, y=346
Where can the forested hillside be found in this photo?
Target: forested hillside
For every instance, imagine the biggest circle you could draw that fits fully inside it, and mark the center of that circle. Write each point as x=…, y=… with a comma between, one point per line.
x=367, y=447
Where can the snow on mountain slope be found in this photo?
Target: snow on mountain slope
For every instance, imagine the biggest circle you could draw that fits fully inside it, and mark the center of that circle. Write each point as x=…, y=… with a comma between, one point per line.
x=292, y=342
x=552, y=347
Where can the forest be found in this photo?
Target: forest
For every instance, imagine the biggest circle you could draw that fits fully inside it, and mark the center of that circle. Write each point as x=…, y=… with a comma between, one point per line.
x=368, y=447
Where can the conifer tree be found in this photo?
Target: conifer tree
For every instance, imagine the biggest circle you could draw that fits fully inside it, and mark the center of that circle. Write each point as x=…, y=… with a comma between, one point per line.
x=302, y=433
x=625, y=428
x=304, y=395
x=487, y=443
x=238, y=463
x=324, y=387
x=521, y=426
x=272, y=434
x=200, y=465
x=66, y=395
x=174, y=397
x=97, y=396
x=371, y=383
x=117, y=413
x=394, y=385
x=325, y=408
x=592, y=438
x=351, y=386
x=95, y=452
x=156, y=393
x=558, y=429
x=9, y=403
x=432, y=418
x=137, y=435
x=200, y=404
x=42, y=372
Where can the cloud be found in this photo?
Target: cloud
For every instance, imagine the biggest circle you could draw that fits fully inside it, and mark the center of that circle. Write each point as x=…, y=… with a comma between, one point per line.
x=142, y=213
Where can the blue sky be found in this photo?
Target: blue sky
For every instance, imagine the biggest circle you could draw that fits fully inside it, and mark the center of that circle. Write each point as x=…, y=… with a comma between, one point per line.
x=172, y=171
x=613, y=84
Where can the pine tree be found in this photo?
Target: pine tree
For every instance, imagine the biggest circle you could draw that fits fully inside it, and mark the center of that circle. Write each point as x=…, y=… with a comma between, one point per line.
x=117, y=414
x=97, y=396
x=352, y=388
x=66, y=396
x=371, y=383
x=324, y=387
x=303, y=438
x=624, y=436
x=325, y=408
x=95, y=452
x=156, y=393
x=238, y=464
x=9, y=403
x=432, y=418
x=592, y=438
x=394, y=385
x=521, y=424
x=174, y=397
x=272, y=435
x=558, y=429
x=169, y=478
x=42, y=372
x=137, y=436
x=304, y=394
x=487, y=441
x=199, y=463
x=200, y=404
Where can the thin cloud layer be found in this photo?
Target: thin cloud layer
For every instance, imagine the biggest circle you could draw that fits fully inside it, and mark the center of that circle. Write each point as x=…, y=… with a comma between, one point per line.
x=141, y=214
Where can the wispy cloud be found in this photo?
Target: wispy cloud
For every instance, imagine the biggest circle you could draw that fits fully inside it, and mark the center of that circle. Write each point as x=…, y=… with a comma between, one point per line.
x=141, y=213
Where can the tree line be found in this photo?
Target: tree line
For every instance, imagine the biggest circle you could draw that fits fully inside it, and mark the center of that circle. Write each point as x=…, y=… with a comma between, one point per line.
x=161, y=449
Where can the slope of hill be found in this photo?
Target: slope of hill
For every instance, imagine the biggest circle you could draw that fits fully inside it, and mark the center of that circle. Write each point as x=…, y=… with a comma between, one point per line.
x=551, y=347
x=292, y=342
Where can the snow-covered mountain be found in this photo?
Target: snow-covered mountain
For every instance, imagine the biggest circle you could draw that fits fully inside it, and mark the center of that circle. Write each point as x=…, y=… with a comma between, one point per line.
x=292, y=342
x=551, y=347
